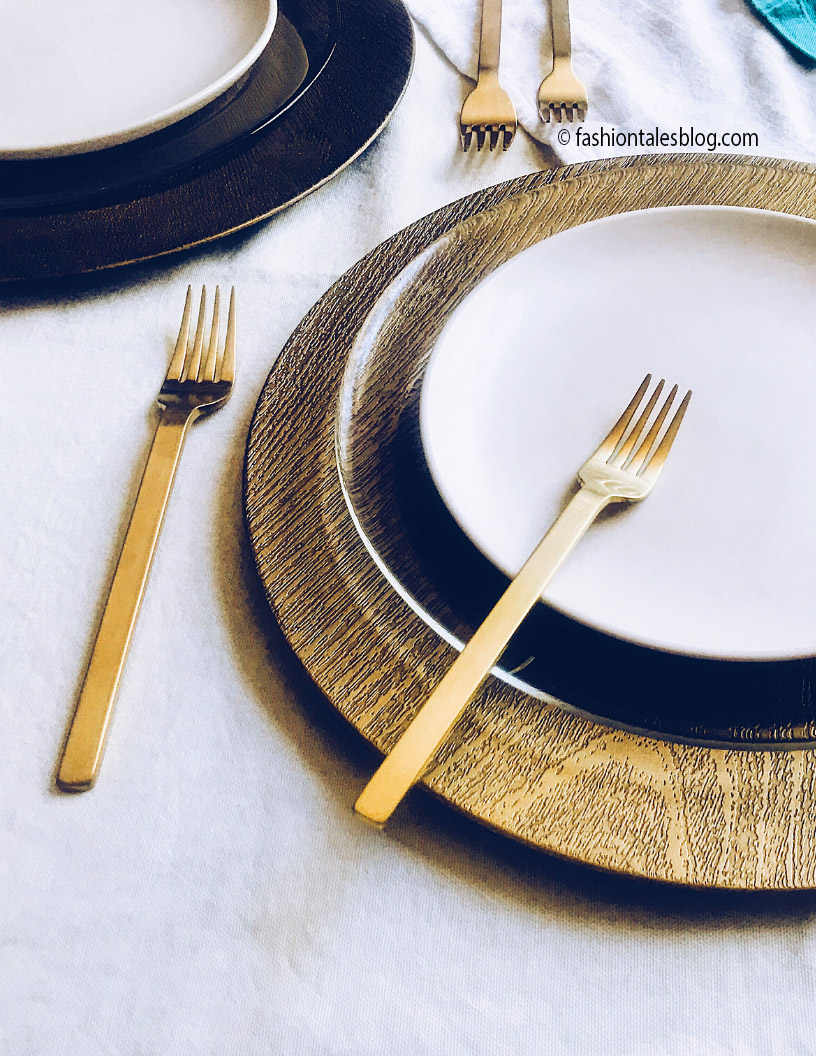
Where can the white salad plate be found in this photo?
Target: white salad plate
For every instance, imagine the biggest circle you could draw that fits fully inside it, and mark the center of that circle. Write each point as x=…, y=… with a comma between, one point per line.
x=82, y=75
x=535, y=365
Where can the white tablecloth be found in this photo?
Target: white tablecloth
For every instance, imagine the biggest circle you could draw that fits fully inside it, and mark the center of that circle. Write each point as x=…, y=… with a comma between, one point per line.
x=215, y=894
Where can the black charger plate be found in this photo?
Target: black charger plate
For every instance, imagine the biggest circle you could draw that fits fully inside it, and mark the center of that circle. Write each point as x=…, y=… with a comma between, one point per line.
x=323, y=89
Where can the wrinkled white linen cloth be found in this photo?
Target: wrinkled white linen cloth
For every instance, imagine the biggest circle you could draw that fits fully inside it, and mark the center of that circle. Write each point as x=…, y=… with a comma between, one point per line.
x=708, y=67
x=214, y=895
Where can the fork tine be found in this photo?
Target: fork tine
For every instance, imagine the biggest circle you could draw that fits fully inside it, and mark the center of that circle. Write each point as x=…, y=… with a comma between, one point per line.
x=480, y=136
x=651, y=471
x=611, y=440
x=622, y=456
x=208, y=373
x=508, y=137
x=176, y=368
x=645, y=449
x=494, y=136
x=467, y=137
x=194, y=358
x=225, y=370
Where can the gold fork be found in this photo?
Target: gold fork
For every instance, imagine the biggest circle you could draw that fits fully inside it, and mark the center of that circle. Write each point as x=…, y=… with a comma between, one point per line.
x=561, y=96
x=621, y=470
x=488, y=112
x=197, y=382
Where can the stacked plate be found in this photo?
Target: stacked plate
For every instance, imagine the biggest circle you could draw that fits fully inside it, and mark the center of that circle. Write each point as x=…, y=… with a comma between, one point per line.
x=85, y=76
x=131, y=130
x=655, y=715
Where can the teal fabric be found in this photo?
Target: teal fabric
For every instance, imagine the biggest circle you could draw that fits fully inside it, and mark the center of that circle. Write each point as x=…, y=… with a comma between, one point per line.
x=793, y=20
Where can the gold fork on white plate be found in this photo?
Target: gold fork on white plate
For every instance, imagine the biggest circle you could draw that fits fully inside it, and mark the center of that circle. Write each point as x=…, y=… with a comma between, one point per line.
x=623, y=469
x=199, y=380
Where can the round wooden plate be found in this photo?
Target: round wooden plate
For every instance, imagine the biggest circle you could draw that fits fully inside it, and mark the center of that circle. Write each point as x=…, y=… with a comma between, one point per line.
x=322, y=130
x=639, y=801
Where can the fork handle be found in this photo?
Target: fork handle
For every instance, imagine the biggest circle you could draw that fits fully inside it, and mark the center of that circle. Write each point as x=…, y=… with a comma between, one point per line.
x=490, y=40
x=561, y=39
x=82, y=753
x=429, y=728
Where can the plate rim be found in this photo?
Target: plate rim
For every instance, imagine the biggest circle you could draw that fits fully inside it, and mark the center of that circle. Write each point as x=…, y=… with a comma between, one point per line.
x=312, y=567
x=455, y=511
x=159, y=120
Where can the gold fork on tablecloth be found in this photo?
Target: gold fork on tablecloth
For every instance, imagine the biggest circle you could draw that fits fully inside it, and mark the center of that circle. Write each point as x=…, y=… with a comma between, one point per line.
x=488, y=115
x=198, y=381
x=561, y=96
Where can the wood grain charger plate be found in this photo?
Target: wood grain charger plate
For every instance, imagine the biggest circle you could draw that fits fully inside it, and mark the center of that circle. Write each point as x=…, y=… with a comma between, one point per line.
x=278, y=134
x=693, y=771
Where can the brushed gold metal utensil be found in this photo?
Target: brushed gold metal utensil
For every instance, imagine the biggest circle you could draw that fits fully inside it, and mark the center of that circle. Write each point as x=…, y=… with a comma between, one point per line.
x=488, y=113
x=561, y=96
x=198, y=381
x=621, y=470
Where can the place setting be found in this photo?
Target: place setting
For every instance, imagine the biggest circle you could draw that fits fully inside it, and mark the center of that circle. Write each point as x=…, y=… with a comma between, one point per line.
x=625, y=683
x=654, y=715
x=408, y=582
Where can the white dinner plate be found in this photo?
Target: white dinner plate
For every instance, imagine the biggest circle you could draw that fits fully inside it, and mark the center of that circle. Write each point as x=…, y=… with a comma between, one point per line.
x=86, y=74
x=533, y=368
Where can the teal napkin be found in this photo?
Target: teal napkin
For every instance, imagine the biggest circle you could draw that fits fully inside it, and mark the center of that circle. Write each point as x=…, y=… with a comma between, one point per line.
x=793, y=20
